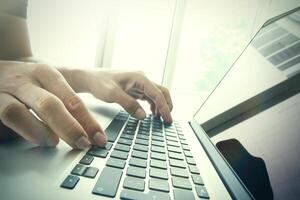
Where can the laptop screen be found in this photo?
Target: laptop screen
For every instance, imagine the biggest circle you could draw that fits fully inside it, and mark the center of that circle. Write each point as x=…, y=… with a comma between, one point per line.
x=263, y=149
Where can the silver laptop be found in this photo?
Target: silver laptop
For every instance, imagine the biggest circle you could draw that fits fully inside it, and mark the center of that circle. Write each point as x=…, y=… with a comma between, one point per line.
x=242, y=143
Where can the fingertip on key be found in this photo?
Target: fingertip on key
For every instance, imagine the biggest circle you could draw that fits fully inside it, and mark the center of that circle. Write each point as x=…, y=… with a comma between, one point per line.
x=100, y=139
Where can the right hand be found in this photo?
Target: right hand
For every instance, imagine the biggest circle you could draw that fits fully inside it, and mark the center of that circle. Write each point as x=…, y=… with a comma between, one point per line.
x=43, y=89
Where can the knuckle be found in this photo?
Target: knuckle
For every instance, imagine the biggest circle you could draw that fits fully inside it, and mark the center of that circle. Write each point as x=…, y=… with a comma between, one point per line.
x=48, y=104
x=40, y=69
x=12, y=112
x=43, y=70
x=74, y=103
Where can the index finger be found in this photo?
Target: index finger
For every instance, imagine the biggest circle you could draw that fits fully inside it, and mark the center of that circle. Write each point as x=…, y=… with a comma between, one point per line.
x=159, y=100
x=59, y=86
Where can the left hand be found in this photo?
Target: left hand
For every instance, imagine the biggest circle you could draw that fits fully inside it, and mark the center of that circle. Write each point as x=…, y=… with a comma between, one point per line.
x=125, y=88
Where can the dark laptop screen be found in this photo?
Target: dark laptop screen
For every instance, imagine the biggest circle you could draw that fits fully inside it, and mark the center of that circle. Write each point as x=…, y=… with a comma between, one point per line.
x=264, y=149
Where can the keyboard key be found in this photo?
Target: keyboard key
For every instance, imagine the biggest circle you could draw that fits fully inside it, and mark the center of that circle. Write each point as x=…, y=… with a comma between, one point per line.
x=181, y=137
x=129, y=131
x=158, y=156
x=158, y=164
x=179, y=172
x=158, y=173
x=98, y=152
x=122, y=147
x=158, y=149
x=197, y=180
x=113, y=129
x=174, y=149
x=138, y=162
x=127, y=136
x=108, y=145
x=144, y=137
x=201, y=192
x=139, y=154
x=134, y=183
x=179, y=132
x=157, y=143
x=171, y=134
x=188, y=154
x=190, y=161
x=177, y=163
x=185, y=147
x=132, y=195
x=154, y=195
x=157, y=133
x=158, y=138
x=108, y=182
x=184, y=142
x=86, y=159
x=125, y=141
x=136, y=172
x=194, y=169
x=170, y=130
x=174, y=139
x=117, y=163
x=159, y=185
x=172, y=143
x=151, y=195
x=140, y=147
x=182, y=183
x=90, y=172
x=70, y=182
x=180, y=194
x=119, y=154
x=78, y=169
x=144, y=132
x=175, y=156
x=142, y=142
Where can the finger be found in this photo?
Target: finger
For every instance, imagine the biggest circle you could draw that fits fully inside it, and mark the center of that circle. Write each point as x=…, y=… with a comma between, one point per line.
x=152, y=106
x=16, y=116
x=157, y=97
x=128, y=103
x=151, y=103
x=59, y=87
x=52, y=111
x=167, y=96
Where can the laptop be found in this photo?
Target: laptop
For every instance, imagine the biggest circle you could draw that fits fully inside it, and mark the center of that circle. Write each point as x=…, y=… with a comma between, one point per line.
x=242, y=143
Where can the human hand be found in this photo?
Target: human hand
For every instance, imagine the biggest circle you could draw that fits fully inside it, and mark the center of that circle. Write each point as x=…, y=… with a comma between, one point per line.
x=125, y=88
x=43, y=89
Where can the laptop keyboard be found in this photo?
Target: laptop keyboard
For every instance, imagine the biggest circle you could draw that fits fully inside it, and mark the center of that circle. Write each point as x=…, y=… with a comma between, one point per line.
x=146, y=149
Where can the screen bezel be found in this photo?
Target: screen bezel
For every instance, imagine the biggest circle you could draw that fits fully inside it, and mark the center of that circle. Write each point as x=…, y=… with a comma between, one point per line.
x=231, y=180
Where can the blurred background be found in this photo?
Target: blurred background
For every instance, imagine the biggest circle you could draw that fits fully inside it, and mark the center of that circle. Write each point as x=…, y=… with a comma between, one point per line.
x=186, y=45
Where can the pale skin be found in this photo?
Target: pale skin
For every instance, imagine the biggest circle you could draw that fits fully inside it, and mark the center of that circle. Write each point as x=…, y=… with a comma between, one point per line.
x=28, y=85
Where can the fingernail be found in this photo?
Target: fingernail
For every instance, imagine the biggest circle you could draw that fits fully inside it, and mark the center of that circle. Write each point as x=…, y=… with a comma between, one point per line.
x=140, y=113
x=82, y=143
x=100, y=139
